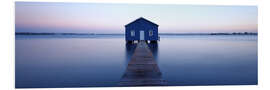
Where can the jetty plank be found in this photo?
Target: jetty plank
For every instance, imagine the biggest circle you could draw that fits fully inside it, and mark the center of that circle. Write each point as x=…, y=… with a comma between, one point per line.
x=142, y=70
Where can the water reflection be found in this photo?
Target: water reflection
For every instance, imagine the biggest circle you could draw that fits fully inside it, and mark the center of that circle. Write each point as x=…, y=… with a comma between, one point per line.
x=183, y=60
x=130, y=48
x=154, y=49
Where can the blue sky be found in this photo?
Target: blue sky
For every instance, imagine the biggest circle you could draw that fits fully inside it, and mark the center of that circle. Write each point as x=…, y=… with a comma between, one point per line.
x=111, y=18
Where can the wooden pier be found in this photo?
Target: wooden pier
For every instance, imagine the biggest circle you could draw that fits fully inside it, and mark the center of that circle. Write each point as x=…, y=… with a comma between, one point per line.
x=142, y=70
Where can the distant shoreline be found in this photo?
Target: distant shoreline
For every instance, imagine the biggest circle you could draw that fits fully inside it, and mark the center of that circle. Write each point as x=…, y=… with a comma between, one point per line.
x=234, y=33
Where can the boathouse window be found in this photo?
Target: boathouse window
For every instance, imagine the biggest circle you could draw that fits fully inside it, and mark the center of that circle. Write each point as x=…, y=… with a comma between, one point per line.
x=132, y=33
x=150, y=32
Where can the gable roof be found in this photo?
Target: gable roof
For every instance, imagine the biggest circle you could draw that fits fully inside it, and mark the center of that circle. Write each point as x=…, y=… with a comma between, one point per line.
x=142, y=19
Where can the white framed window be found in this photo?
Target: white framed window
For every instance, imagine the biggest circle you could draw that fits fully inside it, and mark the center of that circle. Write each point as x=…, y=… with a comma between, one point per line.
x=132, y=33
x=150, y=32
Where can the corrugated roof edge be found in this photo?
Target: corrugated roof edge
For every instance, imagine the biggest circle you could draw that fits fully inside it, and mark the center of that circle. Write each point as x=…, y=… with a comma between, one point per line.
x=141, y=18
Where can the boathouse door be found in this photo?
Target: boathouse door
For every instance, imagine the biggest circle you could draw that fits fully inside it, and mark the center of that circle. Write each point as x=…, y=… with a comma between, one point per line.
x=141, y=35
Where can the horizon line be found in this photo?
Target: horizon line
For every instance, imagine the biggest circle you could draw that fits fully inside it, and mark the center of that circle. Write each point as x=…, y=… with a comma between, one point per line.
x=213, y=33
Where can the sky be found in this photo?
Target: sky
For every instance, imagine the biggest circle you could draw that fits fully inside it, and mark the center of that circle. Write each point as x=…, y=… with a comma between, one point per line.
x=56, y=17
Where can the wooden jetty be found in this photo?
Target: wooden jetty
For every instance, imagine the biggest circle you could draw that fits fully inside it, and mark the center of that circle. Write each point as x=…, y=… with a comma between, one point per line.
x=142, y=70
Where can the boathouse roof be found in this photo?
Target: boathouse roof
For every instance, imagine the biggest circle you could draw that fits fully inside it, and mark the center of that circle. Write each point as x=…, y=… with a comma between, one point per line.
x=141, y=18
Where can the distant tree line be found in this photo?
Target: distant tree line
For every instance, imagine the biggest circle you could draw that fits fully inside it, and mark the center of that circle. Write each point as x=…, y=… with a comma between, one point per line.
x=235, y=33
x=31, y=33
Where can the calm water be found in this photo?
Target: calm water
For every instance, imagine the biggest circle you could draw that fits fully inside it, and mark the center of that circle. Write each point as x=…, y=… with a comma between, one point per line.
x=101, y=60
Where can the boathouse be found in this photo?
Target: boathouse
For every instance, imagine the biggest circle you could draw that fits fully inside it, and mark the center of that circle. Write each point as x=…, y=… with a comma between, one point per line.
x=141, y=29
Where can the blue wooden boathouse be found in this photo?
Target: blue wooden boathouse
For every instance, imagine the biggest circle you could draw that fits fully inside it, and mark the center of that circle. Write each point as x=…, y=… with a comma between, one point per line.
x=141, y=29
